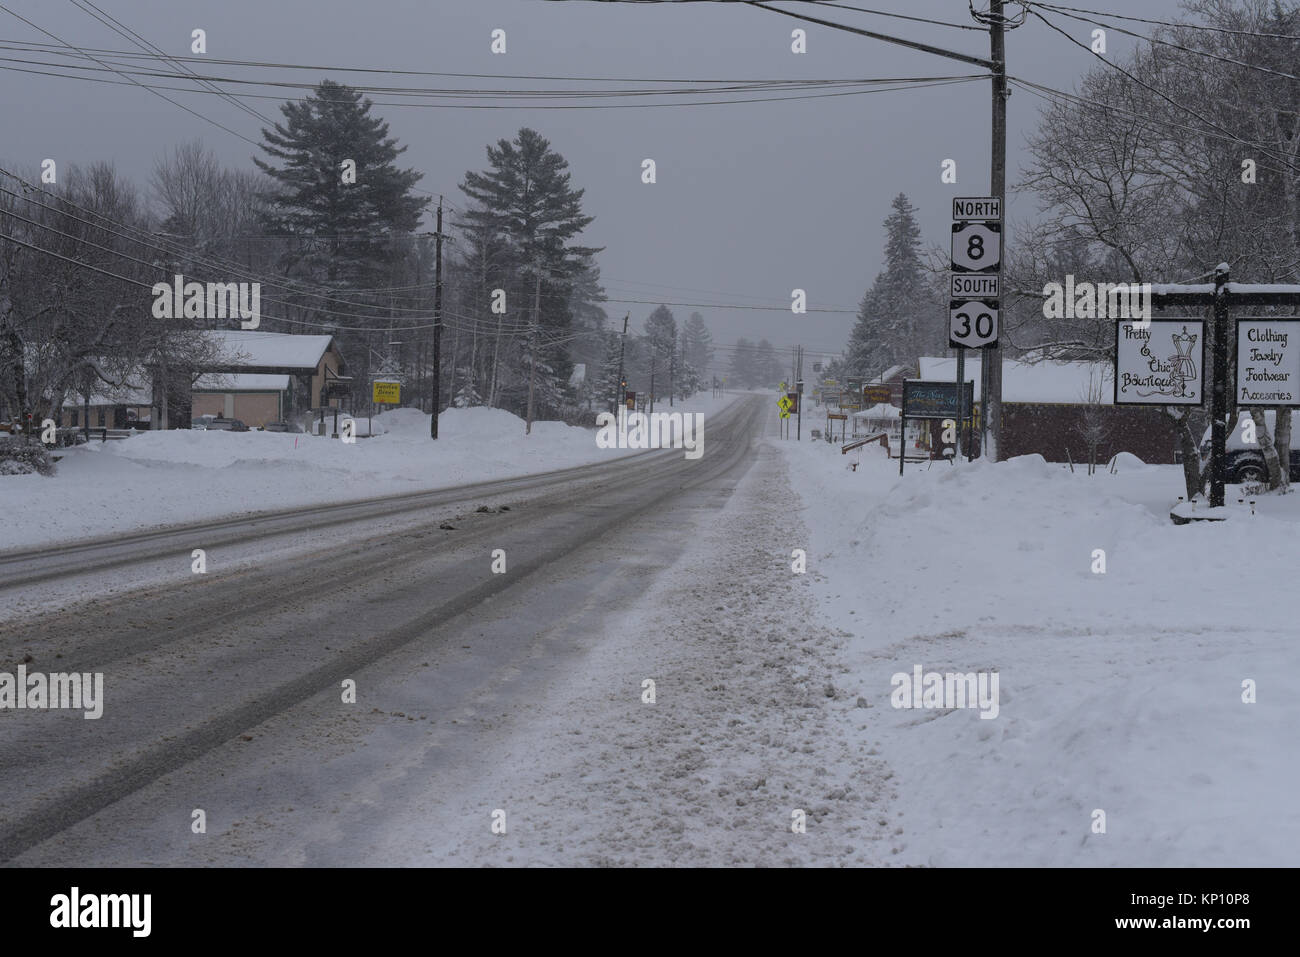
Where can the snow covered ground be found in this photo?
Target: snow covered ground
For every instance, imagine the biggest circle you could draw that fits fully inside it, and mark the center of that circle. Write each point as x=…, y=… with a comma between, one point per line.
x=1120, y=691
x=164, y=478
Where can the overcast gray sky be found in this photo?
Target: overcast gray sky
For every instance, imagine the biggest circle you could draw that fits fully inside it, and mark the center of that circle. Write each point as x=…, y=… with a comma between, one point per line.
x=752, y=200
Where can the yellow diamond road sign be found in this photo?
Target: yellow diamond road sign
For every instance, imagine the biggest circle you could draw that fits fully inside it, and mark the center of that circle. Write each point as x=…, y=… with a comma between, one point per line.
x=784, y=403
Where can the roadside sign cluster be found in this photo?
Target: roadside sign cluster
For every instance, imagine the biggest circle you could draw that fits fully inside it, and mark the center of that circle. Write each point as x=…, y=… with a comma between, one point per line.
x=975, y=293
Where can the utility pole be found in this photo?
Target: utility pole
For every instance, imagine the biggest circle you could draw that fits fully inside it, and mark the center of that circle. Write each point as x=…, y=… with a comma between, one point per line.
x=798, y=393
x=622, y=391
x=653, y=356
x=991, y=366
x=532, y=347
x=437, y=326
x=672, y=371
x=991, y=408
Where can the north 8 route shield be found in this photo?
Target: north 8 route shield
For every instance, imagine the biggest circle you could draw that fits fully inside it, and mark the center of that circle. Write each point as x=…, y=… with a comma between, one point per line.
x=976, y=247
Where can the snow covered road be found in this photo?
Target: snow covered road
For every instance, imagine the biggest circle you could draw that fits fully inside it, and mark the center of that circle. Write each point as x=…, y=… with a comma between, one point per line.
x=476, y=693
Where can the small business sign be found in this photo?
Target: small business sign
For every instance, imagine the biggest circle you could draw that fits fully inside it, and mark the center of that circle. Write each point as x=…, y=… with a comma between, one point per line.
x=877, y=394
x=387, y=393
x=1160, y=362
x=1268, y=362
x=924, y=399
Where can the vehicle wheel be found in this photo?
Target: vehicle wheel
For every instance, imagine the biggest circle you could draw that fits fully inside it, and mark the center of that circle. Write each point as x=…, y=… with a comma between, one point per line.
x=1249, y=473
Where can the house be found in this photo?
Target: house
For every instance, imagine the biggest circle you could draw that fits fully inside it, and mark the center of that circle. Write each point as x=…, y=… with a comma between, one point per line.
x=255, y=398
x=123, y=406
x=261, y=372
x=1051, y=407
x=893, y=377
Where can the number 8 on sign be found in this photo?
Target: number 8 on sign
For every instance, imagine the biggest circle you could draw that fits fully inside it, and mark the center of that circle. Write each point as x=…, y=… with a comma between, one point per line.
x=973, y=323
x=976, y=247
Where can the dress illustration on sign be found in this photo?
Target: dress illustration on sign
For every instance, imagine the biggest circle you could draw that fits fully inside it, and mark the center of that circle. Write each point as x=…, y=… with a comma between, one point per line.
x=1171, y=374
x=1184, y=368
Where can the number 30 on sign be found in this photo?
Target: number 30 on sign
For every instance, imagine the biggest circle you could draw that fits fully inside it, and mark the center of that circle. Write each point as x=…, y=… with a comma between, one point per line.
x=972, y=324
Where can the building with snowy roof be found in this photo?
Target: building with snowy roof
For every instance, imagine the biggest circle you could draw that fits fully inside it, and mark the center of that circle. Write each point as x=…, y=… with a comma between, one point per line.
x=1055, y=408
x=262, y=377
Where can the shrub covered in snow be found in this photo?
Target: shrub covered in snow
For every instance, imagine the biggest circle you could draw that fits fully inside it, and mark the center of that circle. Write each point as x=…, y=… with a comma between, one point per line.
x=23, y=458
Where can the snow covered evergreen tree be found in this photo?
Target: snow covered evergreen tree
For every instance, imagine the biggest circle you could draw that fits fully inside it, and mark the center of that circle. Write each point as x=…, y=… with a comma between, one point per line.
x=889, y=316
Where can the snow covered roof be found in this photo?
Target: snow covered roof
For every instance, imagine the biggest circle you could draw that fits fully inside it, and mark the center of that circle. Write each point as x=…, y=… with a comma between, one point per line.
x=269, y=350
x=891, y=373
x=1048, y=383
x=241, y=382
x=136, y=390
x=881, y=410
x=124, y=395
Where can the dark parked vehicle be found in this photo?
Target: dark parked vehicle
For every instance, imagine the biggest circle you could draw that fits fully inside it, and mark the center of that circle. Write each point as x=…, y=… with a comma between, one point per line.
x=282, y=427
x=1244, y=462
x=226, y=425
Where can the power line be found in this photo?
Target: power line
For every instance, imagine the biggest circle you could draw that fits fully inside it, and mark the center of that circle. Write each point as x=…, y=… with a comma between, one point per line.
x=123, y=30
x=1176, y=46
x=923, y=47
x=897, y=16
x=23, y=45
x=1172, y=102
x=149, y=241
x=206, y=119
x=1166, y=23
x=879, y=87
x=1051, y=93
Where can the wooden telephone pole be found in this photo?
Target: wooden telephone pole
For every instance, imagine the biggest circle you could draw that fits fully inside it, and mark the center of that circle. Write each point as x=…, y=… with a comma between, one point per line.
x=437, y=326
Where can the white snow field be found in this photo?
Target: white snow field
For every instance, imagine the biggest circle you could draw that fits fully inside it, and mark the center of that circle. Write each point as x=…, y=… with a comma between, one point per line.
x=1120, y=692
x=169, y=477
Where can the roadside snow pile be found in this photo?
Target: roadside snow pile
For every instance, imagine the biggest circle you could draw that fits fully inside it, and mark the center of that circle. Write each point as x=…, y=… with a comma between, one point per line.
x=158, y=478
x=165, y=478
x=1119, y=691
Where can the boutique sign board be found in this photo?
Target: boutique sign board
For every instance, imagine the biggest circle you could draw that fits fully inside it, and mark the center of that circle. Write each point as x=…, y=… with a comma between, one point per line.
x=1159, y=362
x=1268, y=362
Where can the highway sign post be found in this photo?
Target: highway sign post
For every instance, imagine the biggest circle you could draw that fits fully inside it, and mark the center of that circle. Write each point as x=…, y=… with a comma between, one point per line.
x=382, y=392
x=973, y=307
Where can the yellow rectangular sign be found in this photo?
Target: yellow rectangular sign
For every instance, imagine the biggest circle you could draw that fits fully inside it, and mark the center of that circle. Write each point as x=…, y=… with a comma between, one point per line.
x=387, y=392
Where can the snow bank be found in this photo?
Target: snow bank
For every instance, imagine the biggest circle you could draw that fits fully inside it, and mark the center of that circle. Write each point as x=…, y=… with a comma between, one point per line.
x=1119, y=691
x=163, y=478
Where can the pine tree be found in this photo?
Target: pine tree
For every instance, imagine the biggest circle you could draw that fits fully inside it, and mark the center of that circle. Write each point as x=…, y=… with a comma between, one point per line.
x=525, y=195
x=467, y=394
x=889, y=316
x=767, y=368
x=697, y=344
x=741, y=370
x=347, y=228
